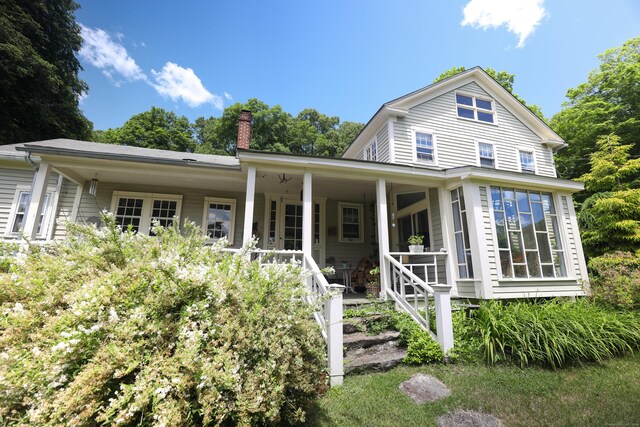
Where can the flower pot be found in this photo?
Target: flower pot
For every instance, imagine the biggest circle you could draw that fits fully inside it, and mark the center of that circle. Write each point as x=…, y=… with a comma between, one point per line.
x=416, y=249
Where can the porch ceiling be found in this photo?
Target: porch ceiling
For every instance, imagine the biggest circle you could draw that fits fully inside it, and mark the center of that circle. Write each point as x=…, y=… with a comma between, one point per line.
x=329, y=187
x=81, y=171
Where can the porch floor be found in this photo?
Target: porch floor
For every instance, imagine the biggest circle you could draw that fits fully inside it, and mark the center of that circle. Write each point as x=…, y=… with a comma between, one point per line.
x=351, y=299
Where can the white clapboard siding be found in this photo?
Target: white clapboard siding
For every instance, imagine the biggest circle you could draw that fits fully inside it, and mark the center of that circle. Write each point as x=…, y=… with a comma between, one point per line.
x=456, y=137
x=383, y=144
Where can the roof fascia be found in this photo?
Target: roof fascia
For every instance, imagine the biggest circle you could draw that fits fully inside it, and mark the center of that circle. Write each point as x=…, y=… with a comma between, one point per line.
x=380, y=118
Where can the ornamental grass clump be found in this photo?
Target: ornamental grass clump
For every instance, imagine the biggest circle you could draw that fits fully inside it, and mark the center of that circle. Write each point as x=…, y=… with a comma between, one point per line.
x=555, y=333
x=124, y=329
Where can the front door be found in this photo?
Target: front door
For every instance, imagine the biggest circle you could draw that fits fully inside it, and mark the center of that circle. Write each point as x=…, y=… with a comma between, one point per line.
x=291, y=238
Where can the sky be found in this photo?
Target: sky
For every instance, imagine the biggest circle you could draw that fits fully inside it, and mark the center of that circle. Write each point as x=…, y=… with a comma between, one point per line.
x=344, y=58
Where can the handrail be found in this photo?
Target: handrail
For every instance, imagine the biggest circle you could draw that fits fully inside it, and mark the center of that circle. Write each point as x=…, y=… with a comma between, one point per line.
x=409, y=273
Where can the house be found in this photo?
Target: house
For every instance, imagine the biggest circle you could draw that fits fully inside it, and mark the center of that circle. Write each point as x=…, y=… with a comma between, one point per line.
x=460, y=162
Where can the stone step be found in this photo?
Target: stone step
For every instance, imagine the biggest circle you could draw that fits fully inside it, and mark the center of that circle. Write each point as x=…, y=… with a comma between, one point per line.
x=352, y=325
x=377, y=358
x=358, y=340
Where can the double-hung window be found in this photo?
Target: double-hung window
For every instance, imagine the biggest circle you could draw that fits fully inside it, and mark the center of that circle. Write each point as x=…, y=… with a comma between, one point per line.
x=19, y=211
x=351, y=222
x=371, y=152
x=474, y=108
x=425, y=147
x=219, y=218
x=137, y=211
x=486, y=155
x=527, y=161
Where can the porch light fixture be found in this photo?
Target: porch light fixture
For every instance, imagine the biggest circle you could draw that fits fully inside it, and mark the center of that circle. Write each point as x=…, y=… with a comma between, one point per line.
x=93, y=187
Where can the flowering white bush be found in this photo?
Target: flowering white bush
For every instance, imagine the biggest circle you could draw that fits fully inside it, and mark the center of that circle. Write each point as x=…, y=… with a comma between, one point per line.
x=118, y=328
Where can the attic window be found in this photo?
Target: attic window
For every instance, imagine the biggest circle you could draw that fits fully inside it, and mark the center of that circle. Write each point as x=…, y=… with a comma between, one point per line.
x=473, y=108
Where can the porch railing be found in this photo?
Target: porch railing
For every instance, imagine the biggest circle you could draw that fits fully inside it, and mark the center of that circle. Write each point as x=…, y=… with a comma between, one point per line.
x=326, y=297
x=413, y=285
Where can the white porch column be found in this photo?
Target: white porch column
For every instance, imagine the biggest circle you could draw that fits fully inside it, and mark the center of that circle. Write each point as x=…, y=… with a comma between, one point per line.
x=38, y=192
x=248, y=205
x=307, y=214
x=383, y=235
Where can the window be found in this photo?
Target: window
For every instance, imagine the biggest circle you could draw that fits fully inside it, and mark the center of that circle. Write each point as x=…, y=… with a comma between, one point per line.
x=425, y=147
x=19, y=211
x=486, y=155
x=473, y=108
x=527, y=161
x=351, y=224
x=461, y=232
x=371, y=153
x=528, y=234
x=273, y=215
x=219, y=218
x=139, y=210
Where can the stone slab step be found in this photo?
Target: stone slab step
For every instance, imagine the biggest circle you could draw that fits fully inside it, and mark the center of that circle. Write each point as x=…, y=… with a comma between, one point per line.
x=361, y=340
x=377, y=358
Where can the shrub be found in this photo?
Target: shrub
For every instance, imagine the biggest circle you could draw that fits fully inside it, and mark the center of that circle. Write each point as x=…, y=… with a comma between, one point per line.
x=7, y=252
x=615, y=279
x=554, y=333
x=121, y=328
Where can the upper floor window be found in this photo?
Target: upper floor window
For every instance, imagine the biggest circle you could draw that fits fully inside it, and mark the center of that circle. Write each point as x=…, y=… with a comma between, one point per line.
x=486, y=154
x=371, y=152
x=527, y=161
x=474, y=108
x=425, y=147
x=19, y=211
x=219, y=218
x=137, y=210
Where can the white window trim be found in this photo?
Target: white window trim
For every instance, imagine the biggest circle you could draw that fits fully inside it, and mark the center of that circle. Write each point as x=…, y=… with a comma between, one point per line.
x=368, y=151
x=495, y=153
x=414, y=131
x=533, y=155
x=474, y=108
x=147, y=206
x=360, y=208
x=205, y=216
x=46, y=219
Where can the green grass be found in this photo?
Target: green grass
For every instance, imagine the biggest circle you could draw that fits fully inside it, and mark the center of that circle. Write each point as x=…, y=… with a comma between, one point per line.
x=591, y=395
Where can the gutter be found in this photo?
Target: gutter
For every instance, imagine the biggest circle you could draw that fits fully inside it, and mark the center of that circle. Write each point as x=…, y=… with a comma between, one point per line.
x=125, y=157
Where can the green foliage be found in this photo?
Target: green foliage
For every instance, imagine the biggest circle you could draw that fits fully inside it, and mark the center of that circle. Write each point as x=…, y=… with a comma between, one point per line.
x=275, y=130
x=468, y=342
x=156, y=128
x=608, y=102
x=39, y=83
x=121, y=328
x=415, y=239
x=7, y=253
x=610, y=218
x=555, y=333
x=505, y=80
x=615, y=279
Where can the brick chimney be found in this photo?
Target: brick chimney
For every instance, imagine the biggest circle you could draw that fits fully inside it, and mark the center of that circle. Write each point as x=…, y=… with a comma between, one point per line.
x=244, y=130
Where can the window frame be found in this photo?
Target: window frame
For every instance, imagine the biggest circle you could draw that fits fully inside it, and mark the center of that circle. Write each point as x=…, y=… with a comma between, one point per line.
x=475, y=108
x=147, y=205
x=414, y=143
x=45, y=224
x=479, y=158
x=232, y=220
x=531, y=151
x=360, y=209
x=371, y=151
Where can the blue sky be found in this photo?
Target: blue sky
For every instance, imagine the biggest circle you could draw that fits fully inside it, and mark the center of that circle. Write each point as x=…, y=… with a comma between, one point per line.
x=342, y=58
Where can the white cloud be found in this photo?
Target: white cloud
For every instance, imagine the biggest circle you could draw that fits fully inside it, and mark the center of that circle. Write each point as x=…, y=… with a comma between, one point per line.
x=177, y=82
x=520, y=16
x=101, y=51
x=228, y=96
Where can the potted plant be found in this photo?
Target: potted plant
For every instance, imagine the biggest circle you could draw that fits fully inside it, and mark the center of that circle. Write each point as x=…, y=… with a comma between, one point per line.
x=415, y=243
x=373, y=285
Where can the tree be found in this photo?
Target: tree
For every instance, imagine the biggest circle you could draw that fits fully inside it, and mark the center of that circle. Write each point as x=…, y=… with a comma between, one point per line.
x=156, y=128
x=608, y=102
x=39, y=83
x=505, y=80
x=610, y=219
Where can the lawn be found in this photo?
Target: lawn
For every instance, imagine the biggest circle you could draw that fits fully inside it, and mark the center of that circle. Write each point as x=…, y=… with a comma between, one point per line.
x=592, y=395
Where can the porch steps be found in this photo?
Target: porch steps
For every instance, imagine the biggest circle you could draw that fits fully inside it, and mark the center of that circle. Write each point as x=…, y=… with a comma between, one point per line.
x=370, y=353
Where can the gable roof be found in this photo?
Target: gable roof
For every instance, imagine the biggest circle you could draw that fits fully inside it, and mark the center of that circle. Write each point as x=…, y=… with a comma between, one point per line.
x=399, y=107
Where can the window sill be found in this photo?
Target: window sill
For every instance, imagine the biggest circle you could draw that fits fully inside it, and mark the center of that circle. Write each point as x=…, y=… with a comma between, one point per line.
x=513, y=281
